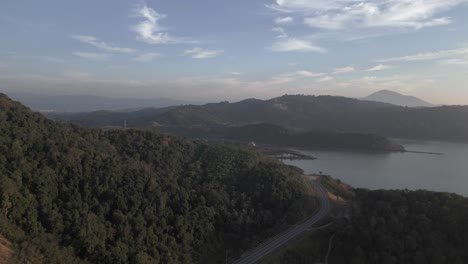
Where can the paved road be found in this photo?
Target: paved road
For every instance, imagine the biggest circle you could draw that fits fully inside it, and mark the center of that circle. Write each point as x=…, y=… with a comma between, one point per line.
x=273, y=244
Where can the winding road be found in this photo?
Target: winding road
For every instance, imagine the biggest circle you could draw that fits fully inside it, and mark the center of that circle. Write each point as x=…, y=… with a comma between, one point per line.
x=274, y=243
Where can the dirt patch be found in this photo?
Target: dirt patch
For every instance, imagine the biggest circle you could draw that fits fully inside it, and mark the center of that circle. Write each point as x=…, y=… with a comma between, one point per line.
x=5, y=250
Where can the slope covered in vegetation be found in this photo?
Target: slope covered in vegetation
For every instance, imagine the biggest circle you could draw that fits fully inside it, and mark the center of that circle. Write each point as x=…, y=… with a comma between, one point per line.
x=85, y=195
x=390, y=227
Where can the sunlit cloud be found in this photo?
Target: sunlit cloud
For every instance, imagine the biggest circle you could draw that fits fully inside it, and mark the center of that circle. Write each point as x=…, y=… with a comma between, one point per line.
x=295, y=45
x=338, y=14
x=151, y=31
x=200, y=53
x=325, y=79
x=380, y=67
x=291, y=76
x=284, y=20
x=443, y=54
x=343, y=70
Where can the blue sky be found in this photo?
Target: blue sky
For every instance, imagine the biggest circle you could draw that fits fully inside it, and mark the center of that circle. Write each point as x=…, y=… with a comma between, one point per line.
x=211, y=50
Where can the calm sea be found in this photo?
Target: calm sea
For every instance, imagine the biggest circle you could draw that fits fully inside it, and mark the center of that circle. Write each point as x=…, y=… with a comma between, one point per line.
x=446, y=173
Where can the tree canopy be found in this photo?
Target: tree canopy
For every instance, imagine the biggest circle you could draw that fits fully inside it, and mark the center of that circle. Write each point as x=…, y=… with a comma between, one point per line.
x=89, y=195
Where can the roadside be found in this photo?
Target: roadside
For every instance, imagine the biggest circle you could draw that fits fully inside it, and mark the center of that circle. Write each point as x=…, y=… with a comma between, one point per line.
x=317, y=240
x=274, y=244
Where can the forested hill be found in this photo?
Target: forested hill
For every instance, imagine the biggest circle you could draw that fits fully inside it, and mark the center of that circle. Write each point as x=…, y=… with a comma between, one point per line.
x=274, y=135
x=306, y=113
x=72, y=195
x=390, y=227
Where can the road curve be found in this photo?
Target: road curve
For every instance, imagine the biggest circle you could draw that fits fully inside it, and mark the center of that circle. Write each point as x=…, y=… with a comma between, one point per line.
x=274, y=243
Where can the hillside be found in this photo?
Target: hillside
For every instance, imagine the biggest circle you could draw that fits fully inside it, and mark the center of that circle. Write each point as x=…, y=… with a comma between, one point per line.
x=281, y=137
x=74, y=195
x=391, y=97
x=389, y=226
x=315, y=113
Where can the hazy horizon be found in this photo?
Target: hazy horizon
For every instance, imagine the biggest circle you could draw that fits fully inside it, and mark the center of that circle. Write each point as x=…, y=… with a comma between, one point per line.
x=208, y=51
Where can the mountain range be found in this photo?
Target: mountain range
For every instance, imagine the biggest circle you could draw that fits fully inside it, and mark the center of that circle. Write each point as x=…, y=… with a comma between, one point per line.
x=299, y=113
x=87, y=103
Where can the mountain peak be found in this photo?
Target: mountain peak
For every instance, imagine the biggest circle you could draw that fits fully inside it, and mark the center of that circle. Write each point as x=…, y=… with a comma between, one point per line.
x=392, y=97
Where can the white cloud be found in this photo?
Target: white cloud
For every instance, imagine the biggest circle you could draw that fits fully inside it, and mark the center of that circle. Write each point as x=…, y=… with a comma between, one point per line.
x=325, y=79
x=199, y=53
x=234, y=73
x=337, y=14
x=92, y=55
x=284, y=20
x=150, y=30
x=379, y=67
x=76, y=74
x=430, y=55
x=147, y=57
x=342, y=70
x=291, y=76
x=462, y=61
x=293, y=44
x=281, y=32
x=101, y=45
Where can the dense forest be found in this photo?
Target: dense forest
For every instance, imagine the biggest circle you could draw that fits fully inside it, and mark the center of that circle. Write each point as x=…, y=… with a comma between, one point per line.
x=73, y=195
x=391, y=227
x=303, y=113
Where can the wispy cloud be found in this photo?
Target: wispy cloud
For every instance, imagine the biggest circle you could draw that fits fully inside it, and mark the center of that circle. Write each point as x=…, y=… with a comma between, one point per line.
x=147, y=57
x=461, y=61
x=284, y=20
x=343, y=70
x=199, y=53
x=380, y=67
x=151, y=31
x=100, y=44
x=291, y=76
x=337, y=14
x=234, y=73
x=326, y=79
x=443, y=54
x=294, y=44
x=281, y=32
x=92, y=55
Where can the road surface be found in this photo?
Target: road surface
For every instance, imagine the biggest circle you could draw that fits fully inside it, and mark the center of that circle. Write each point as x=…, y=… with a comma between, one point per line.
x=275, y=243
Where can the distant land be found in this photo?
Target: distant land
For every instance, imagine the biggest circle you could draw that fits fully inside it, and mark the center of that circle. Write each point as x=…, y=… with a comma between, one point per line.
x=297, y=113
x=391, y=97
x=87, y=103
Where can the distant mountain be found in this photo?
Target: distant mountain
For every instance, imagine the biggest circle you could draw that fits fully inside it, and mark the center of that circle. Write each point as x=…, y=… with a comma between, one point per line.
x=86, y=103
x=391, y=97
x=300, y=113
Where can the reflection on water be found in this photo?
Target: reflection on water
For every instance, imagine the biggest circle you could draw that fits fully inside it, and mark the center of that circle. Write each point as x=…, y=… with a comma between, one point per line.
x=447, y=173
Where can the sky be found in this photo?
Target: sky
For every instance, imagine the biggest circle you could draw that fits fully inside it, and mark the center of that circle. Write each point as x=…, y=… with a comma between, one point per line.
x=213, y=50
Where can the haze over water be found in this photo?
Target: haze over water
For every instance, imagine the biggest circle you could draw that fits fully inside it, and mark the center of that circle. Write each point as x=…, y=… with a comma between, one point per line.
x=445, y=173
